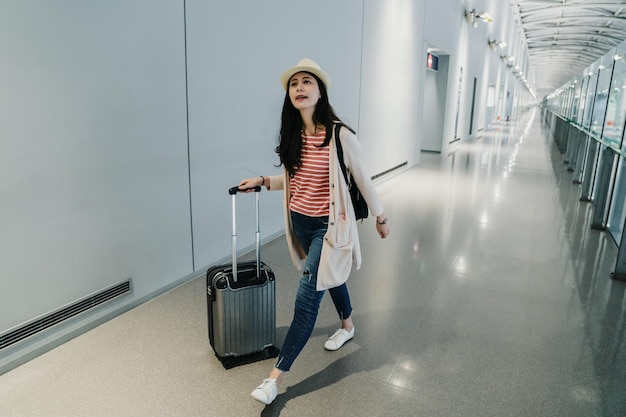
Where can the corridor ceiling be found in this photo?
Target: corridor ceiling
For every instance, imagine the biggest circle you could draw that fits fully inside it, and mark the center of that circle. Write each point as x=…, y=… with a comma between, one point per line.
x=566, y=36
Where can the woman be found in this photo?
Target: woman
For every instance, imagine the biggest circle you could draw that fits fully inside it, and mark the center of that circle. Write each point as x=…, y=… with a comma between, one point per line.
x=319, y=217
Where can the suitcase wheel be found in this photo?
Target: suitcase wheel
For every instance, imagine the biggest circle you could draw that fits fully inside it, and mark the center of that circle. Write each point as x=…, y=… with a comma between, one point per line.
x=273, y=351
x=228, y=363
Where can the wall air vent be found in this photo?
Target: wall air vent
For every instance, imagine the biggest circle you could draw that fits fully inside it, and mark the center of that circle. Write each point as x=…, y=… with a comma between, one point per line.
x=390, y=170
x=46, y=321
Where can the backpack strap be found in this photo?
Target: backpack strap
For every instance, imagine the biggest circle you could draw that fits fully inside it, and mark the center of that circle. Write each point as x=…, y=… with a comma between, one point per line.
x=340, y=153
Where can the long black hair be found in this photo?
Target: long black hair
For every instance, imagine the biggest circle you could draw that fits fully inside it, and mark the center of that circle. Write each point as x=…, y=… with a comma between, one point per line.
x=289, y=147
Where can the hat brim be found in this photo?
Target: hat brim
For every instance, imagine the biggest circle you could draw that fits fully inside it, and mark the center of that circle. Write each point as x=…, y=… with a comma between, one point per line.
x=286, y=76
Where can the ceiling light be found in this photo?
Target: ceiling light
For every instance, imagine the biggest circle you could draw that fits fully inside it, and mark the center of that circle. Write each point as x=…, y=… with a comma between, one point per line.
x=472, y=15
x=484, y=16
x=493, y=44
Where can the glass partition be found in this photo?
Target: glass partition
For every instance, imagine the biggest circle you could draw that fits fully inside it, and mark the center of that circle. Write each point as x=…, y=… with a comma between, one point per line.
x=591, y=94
x=601, y=98
x=569, y=100
x=616, y=109
x=599, y=166
x=597, y=102
x=565, y=102
x=617, y=212
x=583, y=100
x=576, y=100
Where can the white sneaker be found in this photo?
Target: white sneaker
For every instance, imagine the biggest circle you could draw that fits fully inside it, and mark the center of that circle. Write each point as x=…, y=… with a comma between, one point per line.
x=338, y=339
x=266, y=392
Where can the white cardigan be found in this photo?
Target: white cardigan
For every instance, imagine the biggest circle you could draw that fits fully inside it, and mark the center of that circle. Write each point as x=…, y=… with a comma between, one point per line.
x=341, y=243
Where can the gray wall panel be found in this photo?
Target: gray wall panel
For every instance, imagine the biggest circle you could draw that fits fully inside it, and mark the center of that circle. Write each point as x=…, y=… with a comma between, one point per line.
x=93, y=168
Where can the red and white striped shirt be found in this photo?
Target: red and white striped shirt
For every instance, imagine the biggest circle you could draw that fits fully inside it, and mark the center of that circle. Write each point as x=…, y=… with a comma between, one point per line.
x=310, y=194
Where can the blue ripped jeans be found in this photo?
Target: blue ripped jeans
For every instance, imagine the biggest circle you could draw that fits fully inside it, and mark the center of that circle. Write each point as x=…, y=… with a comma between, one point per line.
x=310, y=233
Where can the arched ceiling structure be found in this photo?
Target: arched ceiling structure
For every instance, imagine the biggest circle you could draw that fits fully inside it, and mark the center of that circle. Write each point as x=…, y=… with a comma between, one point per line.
x=566, y=36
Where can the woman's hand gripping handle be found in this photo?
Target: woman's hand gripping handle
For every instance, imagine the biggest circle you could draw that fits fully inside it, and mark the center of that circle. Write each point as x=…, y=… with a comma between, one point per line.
x=248, y=185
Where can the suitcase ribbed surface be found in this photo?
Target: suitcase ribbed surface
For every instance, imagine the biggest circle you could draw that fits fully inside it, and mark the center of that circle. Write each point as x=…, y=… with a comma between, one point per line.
x=244, y=319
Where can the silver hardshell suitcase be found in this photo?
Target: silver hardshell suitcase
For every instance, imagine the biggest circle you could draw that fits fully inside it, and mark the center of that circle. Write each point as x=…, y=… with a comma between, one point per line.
x=241, y=302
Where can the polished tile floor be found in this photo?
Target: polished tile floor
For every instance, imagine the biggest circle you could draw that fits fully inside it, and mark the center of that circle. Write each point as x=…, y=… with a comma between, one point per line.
x=491, y=297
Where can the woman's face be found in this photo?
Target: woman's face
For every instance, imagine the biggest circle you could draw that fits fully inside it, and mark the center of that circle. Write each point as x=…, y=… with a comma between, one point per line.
x=304, y=91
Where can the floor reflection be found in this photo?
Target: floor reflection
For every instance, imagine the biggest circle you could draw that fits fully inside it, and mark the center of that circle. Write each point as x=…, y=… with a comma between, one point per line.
x=501, y=261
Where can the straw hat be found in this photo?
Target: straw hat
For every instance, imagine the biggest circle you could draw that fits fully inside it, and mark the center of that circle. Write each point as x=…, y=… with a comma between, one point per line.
x=306, y=65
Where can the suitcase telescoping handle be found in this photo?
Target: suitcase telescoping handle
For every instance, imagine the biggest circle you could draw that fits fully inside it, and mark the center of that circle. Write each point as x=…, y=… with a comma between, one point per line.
x=233, y=192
